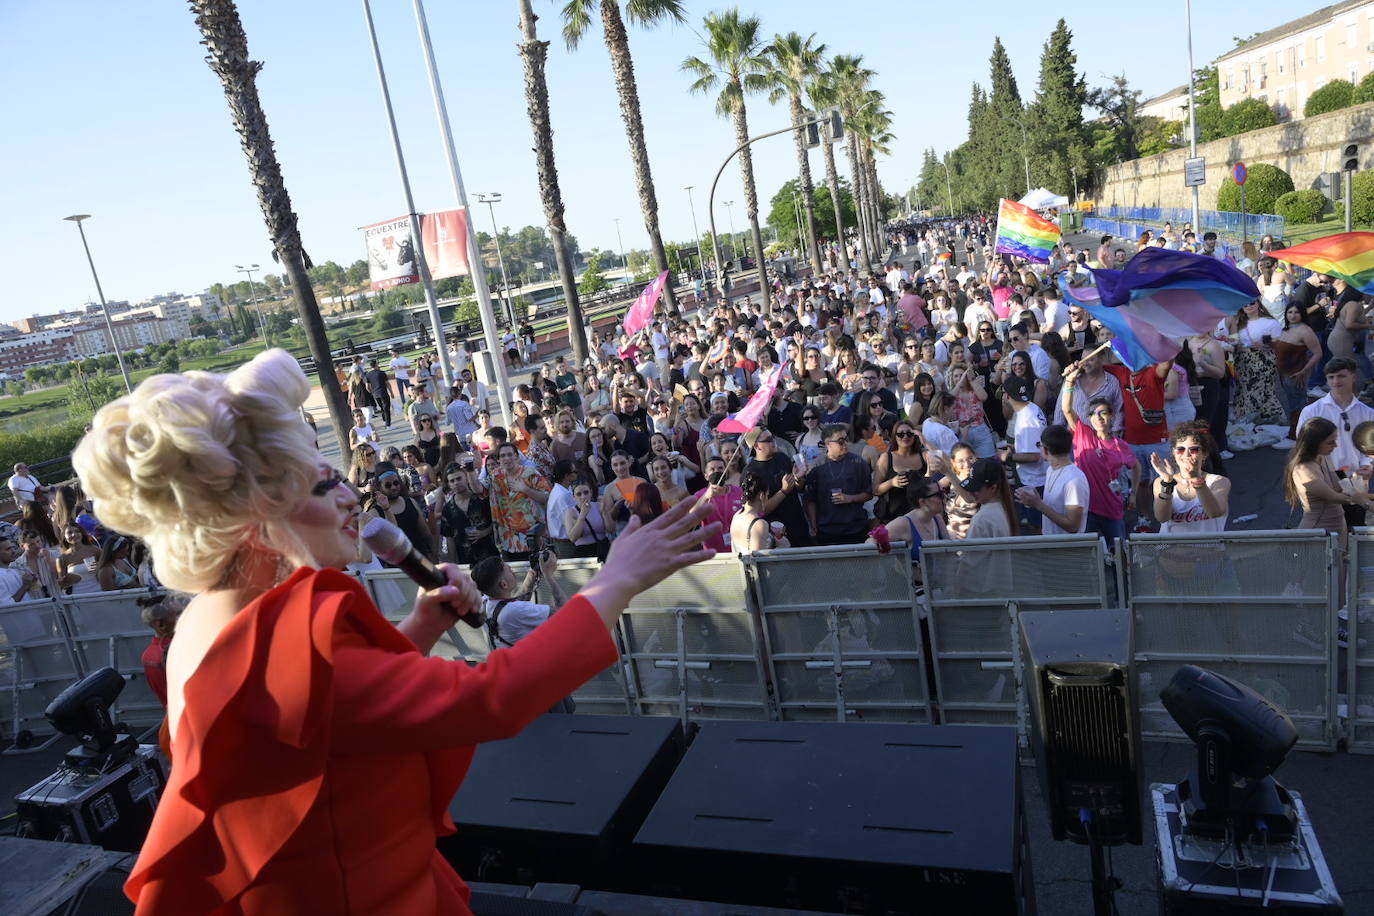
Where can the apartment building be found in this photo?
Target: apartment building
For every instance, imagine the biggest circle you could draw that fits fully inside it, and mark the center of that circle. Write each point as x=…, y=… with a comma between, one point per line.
x=1171, y=106
x=39, y=348
x=1285, y=65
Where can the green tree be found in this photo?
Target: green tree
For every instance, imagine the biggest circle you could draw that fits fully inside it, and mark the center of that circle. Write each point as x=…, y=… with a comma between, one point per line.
x=851, y=83
x=1119, y=105
x=357, y=274
x=794, y=63
x=227, y=55
x=1059, y=138
x=169, y=363
x=1365, y=91
x=593, y=280
x=646, y=14
x=782, y=212
x=1247, y=115
x=1263, y=187
x=1004, y=113
x=735, y=65
x=1334, y=96
x=1158, y=135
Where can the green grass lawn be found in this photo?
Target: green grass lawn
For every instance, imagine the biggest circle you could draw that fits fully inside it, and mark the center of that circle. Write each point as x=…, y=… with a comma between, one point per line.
x=1297, y=233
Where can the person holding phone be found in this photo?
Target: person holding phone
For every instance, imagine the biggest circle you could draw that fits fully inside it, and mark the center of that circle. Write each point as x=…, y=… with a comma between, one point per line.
x=725, y=498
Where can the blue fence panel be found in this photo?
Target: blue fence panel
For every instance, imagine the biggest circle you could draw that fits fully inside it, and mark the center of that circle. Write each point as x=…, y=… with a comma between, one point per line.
x=1220, y=221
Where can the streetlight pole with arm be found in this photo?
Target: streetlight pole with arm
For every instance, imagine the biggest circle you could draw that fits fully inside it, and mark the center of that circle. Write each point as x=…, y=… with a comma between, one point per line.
x=253, y=294
x=624, y=264
x=696, y=233
x=491, y=200
x=104, y=307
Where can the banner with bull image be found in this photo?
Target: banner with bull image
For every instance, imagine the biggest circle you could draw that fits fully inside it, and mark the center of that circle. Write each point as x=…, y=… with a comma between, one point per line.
x=391, y=254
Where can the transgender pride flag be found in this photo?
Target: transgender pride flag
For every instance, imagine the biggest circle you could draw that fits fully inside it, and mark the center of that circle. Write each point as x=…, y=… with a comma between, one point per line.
x=1160, y=298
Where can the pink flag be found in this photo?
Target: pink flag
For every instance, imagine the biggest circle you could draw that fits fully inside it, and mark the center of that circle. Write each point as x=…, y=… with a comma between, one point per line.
x=637, y=318
x=756, y=409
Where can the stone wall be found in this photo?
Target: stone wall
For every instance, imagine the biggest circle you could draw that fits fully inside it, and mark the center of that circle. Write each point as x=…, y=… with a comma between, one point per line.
x=1305, y=149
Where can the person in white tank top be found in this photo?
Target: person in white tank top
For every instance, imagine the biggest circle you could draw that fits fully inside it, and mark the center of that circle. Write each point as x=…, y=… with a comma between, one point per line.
x=1186, y=498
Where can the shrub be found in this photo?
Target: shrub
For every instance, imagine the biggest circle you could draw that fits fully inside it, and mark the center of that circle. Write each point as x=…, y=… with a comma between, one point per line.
x=1365, y=91
x=1266, y=184
x=1251, y=114
x=1334, y=96
x=1362, y=189
x=42, y=444
x=1301, y=206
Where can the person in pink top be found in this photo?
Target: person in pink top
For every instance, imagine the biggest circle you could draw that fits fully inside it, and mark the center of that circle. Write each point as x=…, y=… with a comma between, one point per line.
x=1103, y=457
x=725, y=499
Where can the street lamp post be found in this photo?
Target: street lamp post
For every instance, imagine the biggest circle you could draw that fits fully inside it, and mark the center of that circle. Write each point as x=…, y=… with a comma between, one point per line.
x=1192, y=113
x=253, y=294
x=696, y=233
x=109, y=323
x=491, y=200
x=624, y=263
x=730, y=213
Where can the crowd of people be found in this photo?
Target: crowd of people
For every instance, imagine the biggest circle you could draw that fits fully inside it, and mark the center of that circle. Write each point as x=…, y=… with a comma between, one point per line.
x=959, y=397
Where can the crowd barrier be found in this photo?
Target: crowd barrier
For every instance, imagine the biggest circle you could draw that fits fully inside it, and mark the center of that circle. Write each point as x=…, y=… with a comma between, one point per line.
x=843, y=634
x=1228, y=221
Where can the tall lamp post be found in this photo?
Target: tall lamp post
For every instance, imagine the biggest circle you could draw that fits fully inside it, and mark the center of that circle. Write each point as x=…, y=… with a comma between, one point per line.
x=730, y=213
x=624, y=264
x=696, y=233
x=104, y=307
x=253, y=293
x=491, y=200
x=1192, y=113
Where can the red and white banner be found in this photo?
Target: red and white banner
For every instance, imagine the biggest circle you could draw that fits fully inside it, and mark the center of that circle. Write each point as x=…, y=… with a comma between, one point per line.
x=640, y=314
x=756, y=409
x=446, y=243
x=391, y=259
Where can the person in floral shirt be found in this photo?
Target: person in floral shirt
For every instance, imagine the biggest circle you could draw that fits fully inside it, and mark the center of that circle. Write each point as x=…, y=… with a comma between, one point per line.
x=518, y=495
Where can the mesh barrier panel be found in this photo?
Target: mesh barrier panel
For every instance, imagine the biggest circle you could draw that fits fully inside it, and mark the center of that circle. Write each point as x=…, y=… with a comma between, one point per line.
x=1257, y=608
x=108, y=631
x=1357, y=687
x=969, y=585
x=38, y=663
x=842, y=635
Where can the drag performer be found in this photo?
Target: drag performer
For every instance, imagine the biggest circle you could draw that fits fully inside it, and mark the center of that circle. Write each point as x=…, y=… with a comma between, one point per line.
x=315, y=747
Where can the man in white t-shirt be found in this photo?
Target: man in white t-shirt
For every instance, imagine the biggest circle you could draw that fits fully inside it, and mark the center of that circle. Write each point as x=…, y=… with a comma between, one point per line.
x=509, y=617
x=1056, y=312
x=1027, y=423
x=14, y=582
x=25, y=487
x=400, y=370
x=1020, y=338
x=1063, y=504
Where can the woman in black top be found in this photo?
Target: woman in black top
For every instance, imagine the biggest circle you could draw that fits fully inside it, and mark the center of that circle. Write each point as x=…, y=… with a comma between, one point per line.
x=784, y=489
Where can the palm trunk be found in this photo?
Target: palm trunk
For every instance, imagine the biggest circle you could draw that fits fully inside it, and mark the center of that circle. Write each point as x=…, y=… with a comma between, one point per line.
x=751, y=197
x=533, y=51
x=832, y=176
x=856, y=178
x=622, y=64
x=227, y=54
x=875, y=200
x=804, y=175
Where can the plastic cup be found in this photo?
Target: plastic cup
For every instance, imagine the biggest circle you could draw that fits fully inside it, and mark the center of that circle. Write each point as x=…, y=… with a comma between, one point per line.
x=777, y=528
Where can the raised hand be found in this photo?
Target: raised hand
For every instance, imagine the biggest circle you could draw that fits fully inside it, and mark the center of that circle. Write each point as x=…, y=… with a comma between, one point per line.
x=1163, y=466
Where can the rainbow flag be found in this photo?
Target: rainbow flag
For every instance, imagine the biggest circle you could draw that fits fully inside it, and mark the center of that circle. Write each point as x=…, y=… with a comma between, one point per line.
x=1024, y=233
x=1348, y=255
x=1160, y=298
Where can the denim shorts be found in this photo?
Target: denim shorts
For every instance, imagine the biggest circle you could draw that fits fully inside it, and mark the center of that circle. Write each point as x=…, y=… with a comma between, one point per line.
x=1142, y=454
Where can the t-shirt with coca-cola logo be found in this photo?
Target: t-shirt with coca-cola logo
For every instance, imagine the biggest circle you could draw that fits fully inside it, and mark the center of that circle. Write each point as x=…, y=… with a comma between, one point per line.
x=1148, y=390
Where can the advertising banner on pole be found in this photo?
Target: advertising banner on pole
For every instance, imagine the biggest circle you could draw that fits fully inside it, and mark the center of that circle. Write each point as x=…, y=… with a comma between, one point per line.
x=445, y=234
x=391, y=257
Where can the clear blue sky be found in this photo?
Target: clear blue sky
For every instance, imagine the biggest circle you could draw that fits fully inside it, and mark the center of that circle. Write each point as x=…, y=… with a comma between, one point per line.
x=110, y=110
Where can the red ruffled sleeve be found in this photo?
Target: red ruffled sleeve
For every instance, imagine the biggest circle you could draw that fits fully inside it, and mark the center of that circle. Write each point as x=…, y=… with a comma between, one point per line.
x=305, y=676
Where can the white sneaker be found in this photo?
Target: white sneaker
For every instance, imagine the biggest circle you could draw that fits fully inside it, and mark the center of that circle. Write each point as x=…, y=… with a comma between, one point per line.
x=1283, y=444
x=1227, y=454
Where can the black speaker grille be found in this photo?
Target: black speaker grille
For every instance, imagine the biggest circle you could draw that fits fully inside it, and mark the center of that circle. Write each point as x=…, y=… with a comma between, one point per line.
x=1089, y=724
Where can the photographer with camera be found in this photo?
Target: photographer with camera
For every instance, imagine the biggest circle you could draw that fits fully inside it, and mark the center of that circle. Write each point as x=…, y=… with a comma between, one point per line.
x=510, y=615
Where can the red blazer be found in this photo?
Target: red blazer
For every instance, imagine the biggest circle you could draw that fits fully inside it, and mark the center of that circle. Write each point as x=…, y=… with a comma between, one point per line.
x=318, y=753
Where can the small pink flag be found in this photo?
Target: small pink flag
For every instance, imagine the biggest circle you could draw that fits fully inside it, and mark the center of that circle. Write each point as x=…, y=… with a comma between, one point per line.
x=637, y=318
x=756, y=409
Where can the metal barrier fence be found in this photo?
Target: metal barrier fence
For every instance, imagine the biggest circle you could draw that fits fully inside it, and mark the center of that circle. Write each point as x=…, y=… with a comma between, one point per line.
x=1257, y=224
x=973, y=592
x=841, y=633
x=1258, y=606
x=1357, y=673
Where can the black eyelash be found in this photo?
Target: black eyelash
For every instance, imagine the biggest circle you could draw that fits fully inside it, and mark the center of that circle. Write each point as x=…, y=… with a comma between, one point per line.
x=324, y=486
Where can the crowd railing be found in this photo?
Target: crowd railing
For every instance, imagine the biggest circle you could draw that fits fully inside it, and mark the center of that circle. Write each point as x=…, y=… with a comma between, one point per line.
x=849, y=634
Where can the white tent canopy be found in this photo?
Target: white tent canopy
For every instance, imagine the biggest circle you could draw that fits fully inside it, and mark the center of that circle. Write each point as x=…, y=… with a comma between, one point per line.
x=1040, y=198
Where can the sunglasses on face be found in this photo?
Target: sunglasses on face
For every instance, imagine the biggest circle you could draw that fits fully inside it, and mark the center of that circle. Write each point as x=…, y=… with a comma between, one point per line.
x=1187, y=449
x=810, y=416
x=905, y=434
x=329, y=483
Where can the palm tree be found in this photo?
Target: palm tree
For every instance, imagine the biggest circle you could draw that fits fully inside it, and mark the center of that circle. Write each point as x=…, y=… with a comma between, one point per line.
x=645, y=13
x=871, y=126
x=795, y=63
x=822, y=95
x=737, y=66
x=850, y=83
x=227, y=54
x=537, y=100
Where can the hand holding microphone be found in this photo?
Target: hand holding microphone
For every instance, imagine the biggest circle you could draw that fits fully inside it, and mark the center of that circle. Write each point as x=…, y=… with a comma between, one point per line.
x=451, y=590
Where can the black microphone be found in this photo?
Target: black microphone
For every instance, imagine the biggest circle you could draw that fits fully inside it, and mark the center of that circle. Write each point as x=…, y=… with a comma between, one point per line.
x=391, y=544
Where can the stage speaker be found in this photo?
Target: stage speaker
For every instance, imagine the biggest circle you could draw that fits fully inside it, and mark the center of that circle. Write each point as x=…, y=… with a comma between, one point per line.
x=871, y=818
x=561, y=801
x=1080, y=681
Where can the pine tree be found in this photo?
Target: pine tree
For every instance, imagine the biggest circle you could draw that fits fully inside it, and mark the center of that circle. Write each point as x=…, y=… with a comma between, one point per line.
x=1059, y=139
x=1003, y=140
